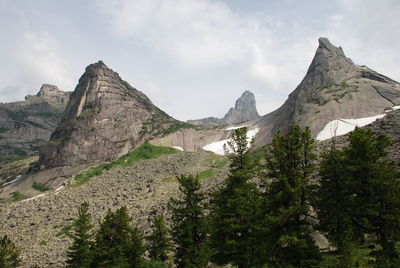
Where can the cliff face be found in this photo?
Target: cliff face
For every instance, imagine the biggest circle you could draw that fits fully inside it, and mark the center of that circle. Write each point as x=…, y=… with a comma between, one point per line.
x=25, y=125
x=334, y=87
x=104, y=119
x=245, y=110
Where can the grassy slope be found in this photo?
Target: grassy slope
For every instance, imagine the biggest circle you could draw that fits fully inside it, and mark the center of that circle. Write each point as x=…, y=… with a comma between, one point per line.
x=145, y=151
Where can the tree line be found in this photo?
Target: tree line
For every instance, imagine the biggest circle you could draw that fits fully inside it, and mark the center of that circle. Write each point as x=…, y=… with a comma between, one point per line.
x=268, y=213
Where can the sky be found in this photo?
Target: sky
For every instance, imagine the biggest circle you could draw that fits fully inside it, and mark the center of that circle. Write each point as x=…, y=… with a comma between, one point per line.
x=192, y=58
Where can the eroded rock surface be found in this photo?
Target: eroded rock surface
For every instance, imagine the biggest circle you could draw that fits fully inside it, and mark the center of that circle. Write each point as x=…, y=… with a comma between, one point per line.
x=26, y=125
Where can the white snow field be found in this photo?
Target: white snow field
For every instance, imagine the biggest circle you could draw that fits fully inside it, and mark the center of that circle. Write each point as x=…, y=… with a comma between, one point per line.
x=218, y=147
x=233, y=128
x=178, y=148
x=343, y=126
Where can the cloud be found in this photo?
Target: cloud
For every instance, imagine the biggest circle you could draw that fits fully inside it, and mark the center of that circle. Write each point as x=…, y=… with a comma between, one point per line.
x=41, y=62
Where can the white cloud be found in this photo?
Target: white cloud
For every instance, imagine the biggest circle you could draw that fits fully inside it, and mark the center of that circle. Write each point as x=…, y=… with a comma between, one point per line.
x=40, y=61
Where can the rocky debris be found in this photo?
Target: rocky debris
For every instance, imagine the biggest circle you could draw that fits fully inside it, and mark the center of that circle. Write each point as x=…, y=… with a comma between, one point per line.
x=105, y=118
x=245, y=110
x=334, y=87
x=25, y=125
x=145, y=188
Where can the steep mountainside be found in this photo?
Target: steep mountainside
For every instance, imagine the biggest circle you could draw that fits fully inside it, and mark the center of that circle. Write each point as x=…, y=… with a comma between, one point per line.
x=25, y=125
x=334, y=87
x=245, y=110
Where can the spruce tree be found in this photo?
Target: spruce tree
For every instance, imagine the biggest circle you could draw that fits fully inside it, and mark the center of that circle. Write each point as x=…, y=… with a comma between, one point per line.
x=286, y=239
x=9, y=253
x=189, y=225
x=159, y=240
x=117, y=244
x=80, y=252
x=234, y=210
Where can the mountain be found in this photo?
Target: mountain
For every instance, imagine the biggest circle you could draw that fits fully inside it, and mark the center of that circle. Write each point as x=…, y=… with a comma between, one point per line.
x=104, y=119
x=334, y=87
x=25, y=125
x=245, y=110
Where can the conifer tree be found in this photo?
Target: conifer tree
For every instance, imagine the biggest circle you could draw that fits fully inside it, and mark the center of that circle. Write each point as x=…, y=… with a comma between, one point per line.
x=189, y=225
x=9, y=253
x=368, y=185
x=117, y=244
x=80, y=252
x=159, y=240
x=287, y=240
x=234, y=210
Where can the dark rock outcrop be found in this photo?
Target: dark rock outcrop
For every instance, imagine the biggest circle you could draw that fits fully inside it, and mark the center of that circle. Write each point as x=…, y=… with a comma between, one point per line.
x=25, y=125
x=245, y=110
x=334, y=87
x=104, y=119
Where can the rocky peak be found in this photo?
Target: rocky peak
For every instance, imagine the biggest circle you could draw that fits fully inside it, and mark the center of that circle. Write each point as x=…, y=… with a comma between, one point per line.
x=51, y=94
x=245, y=110
x=104, y=119
x=334, y=87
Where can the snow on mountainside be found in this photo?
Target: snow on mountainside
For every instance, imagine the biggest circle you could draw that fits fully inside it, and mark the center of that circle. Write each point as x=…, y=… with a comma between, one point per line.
x=341, y=126
x=218, y=147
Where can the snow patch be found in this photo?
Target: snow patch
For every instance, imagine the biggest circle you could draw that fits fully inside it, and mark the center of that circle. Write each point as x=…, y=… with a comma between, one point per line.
x=59, y=188
x=178, y=148
x=14, y=180
x=341, y=126
x=218, y=147
x=233, y=128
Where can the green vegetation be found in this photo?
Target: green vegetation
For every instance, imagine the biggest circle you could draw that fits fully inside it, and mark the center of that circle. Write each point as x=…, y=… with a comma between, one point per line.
x=143, y=152
x=3, y=129
x=20, y=153
x=40, y=187
x=205, y=174
x=9, y=253
x=17, y=196
x=159, y=240
x=189, y=225
x=79, y=253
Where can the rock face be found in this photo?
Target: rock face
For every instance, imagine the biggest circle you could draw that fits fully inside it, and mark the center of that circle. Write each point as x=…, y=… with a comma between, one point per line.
x=104, y=119
x=25, y=125
x=245, y=110
x=334, y=87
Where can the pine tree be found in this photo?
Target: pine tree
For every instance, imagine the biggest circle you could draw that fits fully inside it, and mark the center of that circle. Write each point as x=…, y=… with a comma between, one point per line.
x=234, y=210
x=189, y=225
x=9, y=253
x=80, y=252
x=333, y=202
x=159, y=240
x=117, y=244
x=287, y=240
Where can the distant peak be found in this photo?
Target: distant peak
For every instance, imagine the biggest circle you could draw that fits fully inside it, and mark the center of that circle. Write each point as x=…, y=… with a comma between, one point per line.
x=47, y=89
x=324, y=43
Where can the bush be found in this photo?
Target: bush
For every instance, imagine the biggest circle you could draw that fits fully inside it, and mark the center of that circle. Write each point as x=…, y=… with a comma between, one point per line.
x=40, y=187
x=152, y=264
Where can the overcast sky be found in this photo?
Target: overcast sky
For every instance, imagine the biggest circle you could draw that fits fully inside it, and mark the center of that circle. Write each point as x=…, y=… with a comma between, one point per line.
x=193, y=58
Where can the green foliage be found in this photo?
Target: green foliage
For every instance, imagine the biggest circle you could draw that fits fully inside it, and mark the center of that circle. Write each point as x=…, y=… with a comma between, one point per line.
x=287, y=237
x=20, y=153
x=40, y=187
x=3, y=129
x=80, y=252
x=143, y=152
x=358, y=196
x=117, y=244
x=205, y=174
x=152, y=264
x=189, y=225
x=235, y=210
x=159, y=240
x=9, y=253
x=17, y=196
